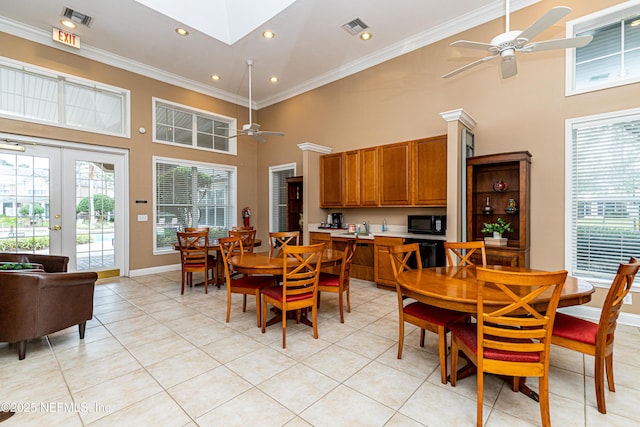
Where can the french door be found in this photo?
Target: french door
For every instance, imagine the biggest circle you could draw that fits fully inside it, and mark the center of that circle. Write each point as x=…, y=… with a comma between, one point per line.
x=60, y=200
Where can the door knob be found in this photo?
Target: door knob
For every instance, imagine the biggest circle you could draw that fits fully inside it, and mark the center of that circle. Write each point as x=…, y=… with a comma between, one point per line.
x=55, y=228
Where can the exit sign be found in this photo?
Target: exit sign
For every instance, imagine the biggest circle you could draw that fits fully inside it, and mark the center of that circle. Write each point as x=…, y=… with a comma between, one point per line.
x=65, y=37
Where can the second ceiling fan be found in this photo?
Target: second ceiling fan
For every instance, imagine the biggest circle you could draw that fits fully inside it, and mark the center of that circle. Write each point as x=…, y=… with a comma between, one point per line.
x=506, y=45
x=251, y=128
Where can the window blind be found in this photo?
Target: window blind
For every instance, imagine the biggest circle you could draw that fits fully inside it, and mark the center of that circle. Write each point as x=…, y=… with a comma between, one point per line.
x=279, y=199
x=193, y=195
x=605, y=195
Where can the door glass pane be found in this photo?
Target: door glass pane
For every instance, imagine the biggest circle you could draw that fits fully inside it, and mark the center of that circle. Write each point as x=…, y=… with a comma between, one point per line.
x=95, y=220
x=24, y=204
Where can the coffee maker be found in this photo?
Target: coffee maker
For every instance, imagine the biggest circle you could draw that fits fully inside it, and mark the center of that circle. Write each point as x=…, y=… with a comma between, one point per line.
x=336, y=220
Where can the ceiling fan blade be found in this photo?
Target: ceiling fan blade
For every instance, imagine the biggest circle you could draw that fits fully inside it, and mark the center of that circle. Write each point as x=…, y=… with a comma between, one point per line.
x=259, y=138
x=558, y=44
x=509, y=68
x=266, y=132
x=225, y=136
x=544, y=22
x=474, y=45
x=470, y=65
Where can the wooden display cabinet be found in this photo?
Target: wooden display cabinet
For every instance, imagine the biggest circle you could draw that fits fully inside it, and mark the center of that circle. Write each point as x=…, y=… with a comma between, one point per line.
x=294, y=204
x=484, y=177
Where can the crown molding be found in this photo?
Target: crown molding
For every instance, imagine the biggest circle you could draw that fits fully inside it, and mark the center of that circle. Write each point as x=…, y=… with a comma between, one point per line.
x=309, y=146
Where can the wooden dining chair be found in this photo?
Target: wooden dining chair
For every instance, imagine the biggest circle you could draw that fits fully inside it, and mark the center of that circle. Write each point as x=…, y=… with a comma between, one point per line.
x=241, y=227
x=196, y=229
x=299, y=289
x=248, y=238
x=278, y=240
x=424, y=316
x=596, y=339
x=461, y=253
x=245, y=285
x=339, y=283
x=512, y=337
x=194, y=257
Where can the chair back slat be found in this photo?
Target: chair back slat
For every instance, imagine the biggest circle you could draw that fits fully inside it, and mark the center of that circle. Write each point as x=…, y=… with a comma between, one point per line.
x=463, y=252
x=619, y=289
x=248, y=238
x=301, y=269
x=279, y=240
x=401, y=255
x=513, y=323
x=347, y=258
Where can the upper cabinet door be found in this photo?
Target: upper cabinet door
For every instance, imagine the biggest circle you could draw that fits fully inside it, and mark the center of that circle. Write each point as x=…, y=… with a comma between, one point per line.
x=352, y=178
x=331, y=180
x=430, y=171
x=395, y=174
x=369, y=190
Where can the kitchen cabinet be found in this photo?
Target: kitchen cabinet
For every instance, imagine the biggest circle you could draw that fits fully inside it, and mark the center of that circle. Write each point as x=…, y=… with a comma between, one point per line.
x=332, y=180
x=395, y=174
x=369, y=191
x=500, y=181
x=362, y=262
x=430, y=171
x=294, y=203
x=352, y=178
x=316, y=237
x=383, y=271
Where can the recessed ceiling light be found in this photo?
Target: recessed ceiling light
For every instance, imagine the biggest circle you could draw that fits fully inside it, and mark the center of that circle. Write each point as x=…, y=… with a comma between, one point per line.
x=273, y=79
x=366, y=36
x=69, y=24
x=268, y=34
x=215, y=77
x=182, y=32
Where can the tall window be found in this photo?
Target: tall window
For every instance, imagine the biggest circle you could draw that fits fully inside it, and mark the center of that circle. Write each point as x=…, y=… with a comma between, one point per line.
x=42, y=96
x=278, y=198
x=603, y=224
x=613, y=56
x=190, y=194
x=181, y=125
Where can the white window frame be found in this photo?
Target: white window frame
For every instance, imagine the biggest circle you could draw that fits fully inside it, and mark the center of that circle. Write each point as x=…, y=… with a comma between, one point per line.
x=570, y=124
x=181, y=162
x=196, y=112
x=592, y=21
x=272, y=170
x=63, y=78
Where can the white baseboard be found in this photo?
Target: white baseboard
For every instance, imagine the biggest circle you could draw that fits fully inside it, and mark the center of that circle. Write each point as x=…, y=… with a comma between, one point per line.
x=154, y=270
x=593, y=313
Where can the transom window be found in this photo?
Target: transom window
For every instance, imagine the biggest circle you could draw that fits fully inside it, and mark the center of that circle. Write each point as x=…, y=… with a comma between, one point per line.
x=43, y=96
x=191, y=194
x=603, y=185
x=613, y=56
x=181, y=125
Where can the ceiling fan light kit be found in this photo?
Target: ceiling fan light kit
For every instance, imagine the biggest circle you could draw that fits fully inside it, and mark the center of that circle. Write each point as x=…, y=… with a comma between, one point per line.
x=251, y=128
x=506, y=45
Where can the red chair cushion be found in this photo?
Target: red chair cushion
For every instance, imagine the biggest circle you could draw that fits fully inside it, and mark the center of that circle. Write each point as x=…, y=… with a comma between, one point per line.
x=328, y=279
x=467, y=333
x=275, y=292
x=575, y=329
x=257, y=282
x=431, y=314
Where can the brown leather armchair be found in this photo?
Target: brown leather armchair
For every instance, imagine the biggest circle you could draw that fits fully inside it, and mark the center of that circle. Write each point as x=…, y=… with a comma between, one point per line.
x=50, y=263
x=34, y=304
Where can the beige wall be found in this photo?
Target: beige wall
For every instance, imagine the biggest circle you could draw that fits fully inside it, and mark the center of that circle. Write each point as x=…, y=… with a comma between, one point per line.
x=401, y=100
x=140, y=147
x=398, y=100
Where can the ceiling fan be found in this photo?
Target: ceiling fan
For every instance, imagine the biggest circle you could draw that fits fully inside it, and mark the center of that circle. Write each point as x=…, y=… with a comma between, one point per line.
x=251, y=128
x=506, y=45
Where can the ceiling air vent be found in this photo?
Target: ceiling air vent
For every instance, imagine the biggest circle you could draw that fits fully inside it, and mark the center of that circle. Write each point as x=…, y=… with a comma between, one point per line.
x=355, y=27
x=77, y=17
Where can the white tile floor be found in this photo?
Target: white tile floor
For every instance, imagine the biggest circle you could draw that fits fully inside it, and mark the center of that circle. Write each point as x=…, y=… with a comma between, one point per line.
x=153, y=357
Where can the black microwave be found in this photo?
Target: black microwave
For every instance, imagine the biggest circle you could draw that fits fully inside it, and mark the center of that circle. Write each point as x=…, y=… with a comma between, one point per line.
x=427, y=224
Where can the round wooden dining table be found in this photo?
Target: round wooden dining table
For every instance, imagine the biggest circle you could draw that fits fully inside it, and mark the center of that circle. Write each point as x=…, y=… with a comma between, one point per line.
x=262, y=263
x=456, y=288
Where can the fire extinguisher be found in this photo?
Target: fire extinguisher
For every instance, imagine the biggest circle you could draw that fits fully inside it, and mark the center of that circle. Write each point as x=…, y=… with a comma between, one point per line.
x=246, y=214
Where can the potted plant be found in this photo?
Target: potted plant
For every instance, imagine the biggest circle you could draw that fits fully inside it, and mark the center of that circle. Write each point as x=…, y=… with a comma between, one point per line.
x=497, y=228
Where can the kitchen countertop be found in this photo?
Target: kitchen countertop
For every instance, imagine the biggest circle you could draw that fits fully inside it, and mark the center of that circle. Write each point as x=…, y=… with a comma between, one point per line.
x=343, y=232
